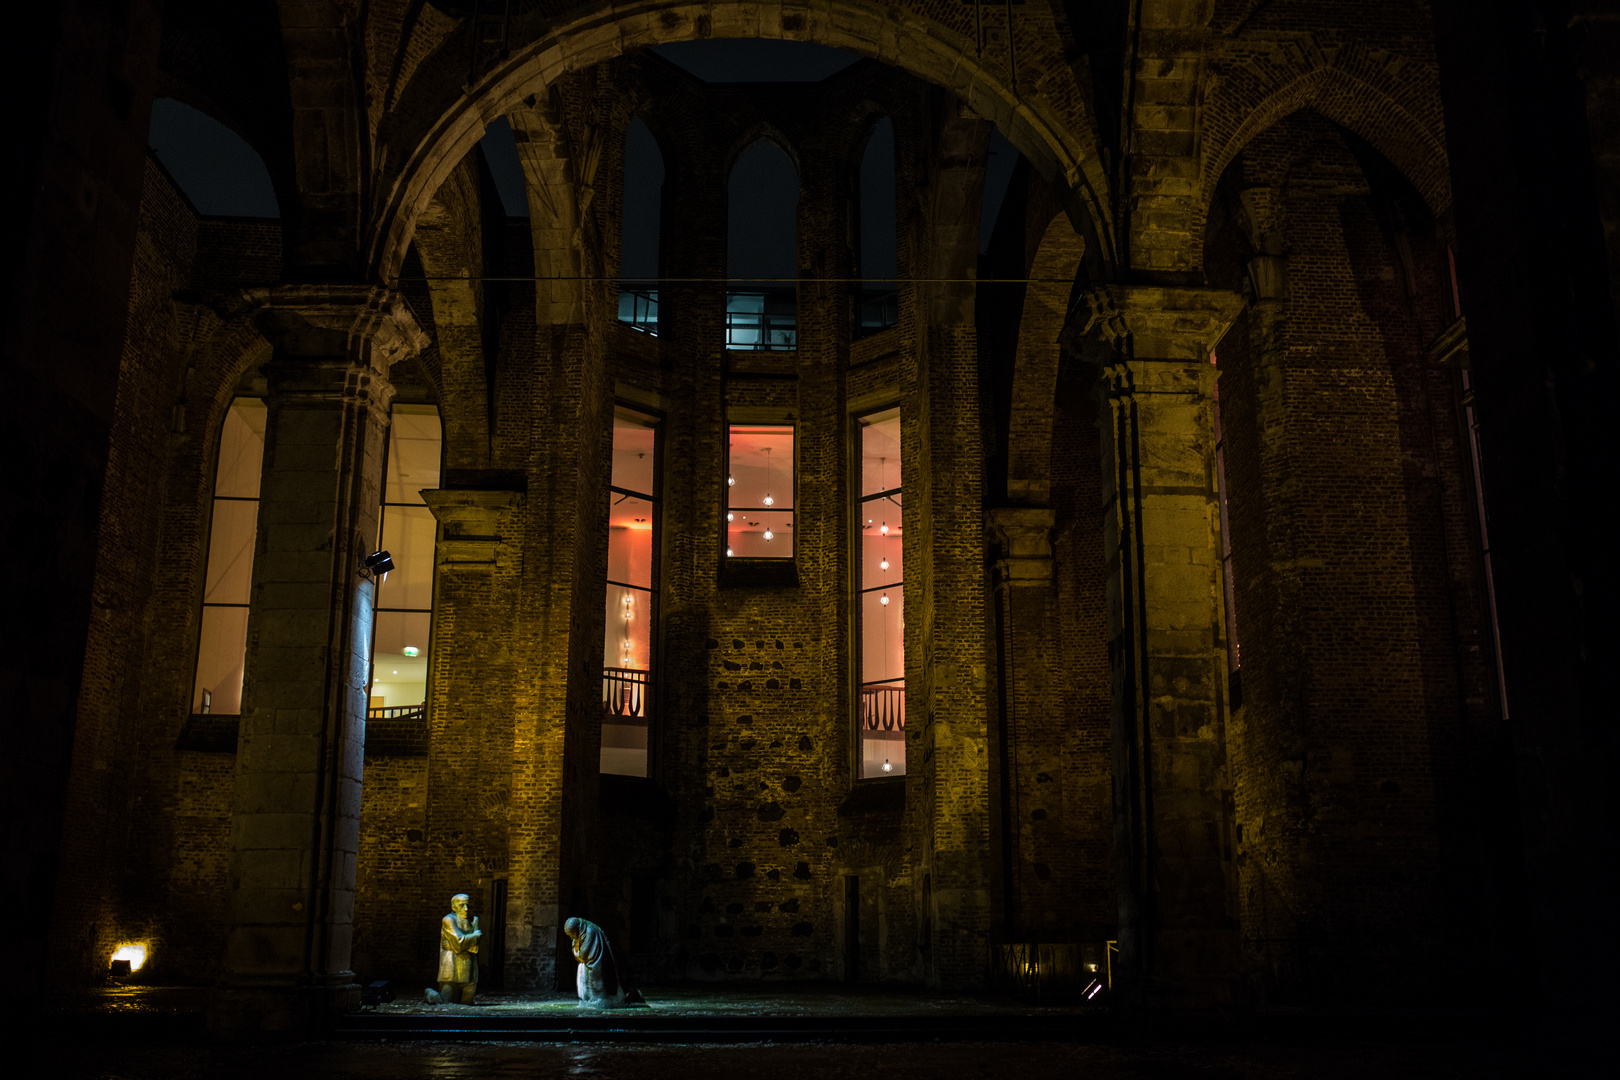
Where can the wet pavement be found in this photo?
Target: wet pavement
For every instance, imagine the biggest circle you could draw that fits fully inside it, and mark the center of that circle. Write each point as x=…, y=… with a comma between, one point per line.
x=149, y=1033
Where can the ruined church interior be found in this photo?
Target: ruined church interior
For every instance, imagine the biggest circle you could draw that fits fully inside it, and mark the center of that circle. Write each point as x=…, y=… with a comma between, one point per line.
x=1093, y=502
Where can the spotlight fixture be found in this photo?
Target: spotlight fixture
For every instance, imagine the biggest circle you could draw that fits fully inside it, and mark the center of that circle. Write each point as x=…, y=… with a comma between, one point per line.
x=378, y=562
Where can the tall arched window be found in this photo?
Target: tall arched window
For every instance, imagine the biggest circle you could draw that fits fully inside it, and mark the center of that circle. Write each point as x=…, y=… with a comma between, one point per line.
x=762, y=250
x=639, y=250
x=878, y=305
x=228, y=582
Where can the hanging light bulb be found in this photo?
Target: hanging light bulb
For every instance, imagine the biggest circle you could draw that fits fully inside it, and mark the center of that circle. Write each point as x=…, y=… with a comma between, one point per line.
x=768, y=500
x=884, y=564
x=731, y=481
x=627, y=604
x=884, y=599
x=768, y=534
x=886, y=766
x=884, y=528
x=728, y=552
x=729, y=515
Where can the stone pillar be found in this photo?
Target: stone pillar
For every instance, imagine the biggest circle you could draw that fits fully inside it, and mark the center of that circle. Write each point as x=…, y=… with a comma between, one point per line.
x=1178, y=929
x=1028, y=685
x=295, y=816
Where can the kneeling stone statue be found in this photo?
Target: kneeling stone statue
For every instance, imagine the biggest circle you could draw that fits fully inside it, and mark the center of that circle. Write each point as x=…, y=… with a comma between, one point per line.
x=458, y=956
x=598, y=979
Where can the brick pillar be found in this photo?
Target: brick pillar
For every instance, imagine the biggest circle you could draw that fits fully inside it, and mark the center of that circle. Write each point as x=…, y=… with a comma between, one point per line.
x=295, y=815
x=944, y=510
x=1029, y=659
x=1178, y=930
x=472, y=713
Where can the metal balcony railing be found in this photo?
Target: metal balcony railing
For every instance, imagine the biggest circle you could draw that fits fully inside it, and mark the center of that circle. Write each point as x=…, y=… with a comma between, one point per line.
x=883, y=706
x=624, y=695
x=762, y=320
x=638, y=309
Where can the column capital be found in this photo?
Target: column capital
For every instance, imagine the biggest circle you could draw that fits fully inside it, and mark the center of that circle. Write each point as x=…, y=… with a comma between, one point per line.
x=1162, y=322
x=471, y=521
x=366, y=324
x=1024, y=536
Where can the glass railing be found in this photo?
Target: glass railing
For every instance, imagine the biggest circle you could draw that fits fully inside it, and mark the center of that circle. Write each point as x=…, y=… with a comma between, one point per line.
x=638, y=309
x=762, y=320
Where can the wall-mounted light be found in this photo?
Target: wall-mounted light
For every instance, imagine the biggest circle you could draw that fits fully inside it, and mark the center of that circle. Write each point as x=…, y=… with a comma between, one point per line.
x=410, y=650
x=127, y=960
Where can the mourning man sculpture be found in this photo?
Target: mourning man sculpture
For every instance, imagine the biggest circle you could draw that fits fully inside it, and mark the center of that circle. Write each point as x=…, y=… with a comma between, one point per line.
x=458, y=956
x=598, y=980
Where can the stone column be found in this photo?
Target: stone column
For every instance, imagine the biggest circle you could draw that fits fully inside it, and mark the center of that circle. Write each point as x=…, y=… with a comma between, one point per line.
x=1178, y=930
x=295, y=815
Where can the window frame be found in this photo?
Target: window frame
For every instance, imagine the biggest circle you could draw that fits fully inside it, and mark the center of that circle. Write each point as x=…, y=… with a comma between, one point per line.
x=654, y=693
x=858, y=420
x=761, y=570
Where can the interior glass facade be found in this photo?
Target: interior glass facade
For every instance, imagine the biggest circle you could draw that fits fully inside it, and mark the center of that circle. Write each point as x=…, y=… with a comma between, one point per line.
x=404, y=623
x=228, y=583
x=759, y=492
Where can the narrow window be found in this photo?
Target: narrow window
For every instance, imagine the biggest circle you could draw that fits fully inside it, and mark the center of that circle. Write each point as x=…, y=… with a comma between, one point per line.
x=759, y=492
x=881, y=711
x=404, y=625
x=877, y=305
x=639, y=251
x=627, y=647
x=1234, y=652
x=762, y=260
x=228, y=581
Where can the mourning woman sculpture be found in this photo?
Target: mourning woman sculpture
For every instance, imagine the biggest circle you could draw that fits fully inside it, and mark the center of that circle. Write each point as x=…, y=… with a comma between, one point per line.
x=458, y=956
x=598, y=980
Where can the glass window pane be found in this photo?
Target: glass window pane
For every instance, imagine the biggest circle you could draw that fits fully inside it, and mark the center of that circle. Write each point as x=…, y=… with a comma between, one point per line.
x=413, y=453
x=221, y=646
x=230, y=552
x=630, y=533
x=883, y=655
x=880, y=452
x=877, y=550
x=399, y=658
x=633, y=451
x=241, y=450
x=760, y=492
x=627, y=643
x=408, y=535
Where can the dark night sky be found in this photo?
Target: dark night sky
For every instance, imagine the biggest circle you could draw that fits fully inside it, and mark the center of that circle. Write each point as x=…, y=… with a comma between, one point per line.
x=223, y=176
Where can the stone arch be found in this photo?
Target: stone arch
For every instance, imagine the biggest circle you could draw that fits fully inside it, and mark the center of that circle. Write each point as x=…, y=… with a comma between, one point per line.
x=1063, y=149
x=1356, y=92
x=449, y=243
x=1035, y=371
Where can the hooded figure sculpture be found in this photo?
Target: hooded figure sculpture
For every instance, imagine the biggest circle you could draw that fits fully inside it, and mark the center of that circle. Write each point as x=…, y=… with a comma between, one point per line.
x=598, y=980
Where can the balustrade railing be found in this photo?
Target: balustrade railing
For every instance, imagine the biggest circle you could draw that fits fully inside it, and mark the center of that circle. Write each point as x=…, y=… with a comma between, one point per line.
x=762, y=320
x=883, y=707
x=624, y=695
x=397, y=712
